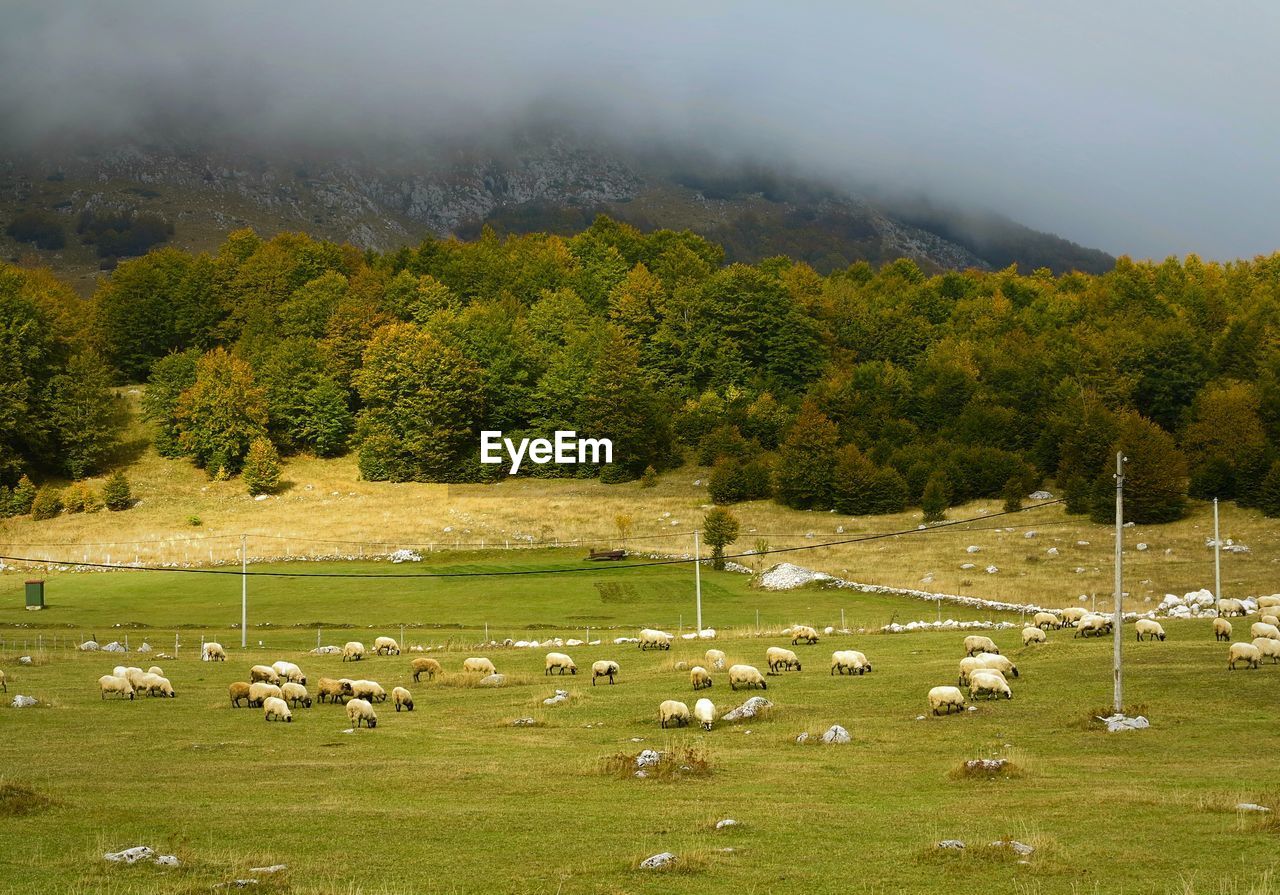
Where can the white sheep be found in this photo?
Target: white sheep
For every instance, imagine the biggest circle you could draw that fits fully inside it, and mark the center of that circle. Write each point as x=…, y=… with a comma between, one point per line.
x=673, y=712
x=295, y=693
x=370, y=691
x=1032, y=635
x=716, y=659
x=946, y=698
x=986, y=683
x=261, y=690
x=287, y=671
x=1093, y=626
x=155, y=684
x=1269, y=619
x=747, y=676
x=1243, y=652
x=276, y=709
x=424, y=665
x=134, y=676
x=213, y=652
x=386, y=646
x=352, y=651
x=1045, y=620
x=402, y=697
x=1268, y=602
x=705, y=713
x=780, y=659
x=805, y=633
x=1148, y=628
x=478, y=665
x=1221, y=629
x=978, y=643
x=559, y=662
x=1269, y=647
x=603, y=668
x=651, y=639
x=700, y=678
x=264, y=673
x=156, y=669
x=359, y=710
x=849, y=661
x=1072, y=615
x=1262, y=629
x=110, y=683
x=999, y=663
x=1230, y=607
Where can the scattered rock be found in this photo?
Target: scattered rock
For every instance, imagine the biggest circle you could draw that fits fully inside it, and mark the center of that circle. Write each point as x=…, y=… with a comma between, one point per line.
x=523, y=722
x=167, y=860
x=989, y=765
x=23, y=702
x=1082, y=543
x=966, y=566
x=1052, y=551
x=727, y=822
x=950, y=843
x=261, y=497
x=972, y=548
x=749, y=709
x=1040, y=495
x=991, y=570
x=1019, y=848
x=130, y=855
x=493, y=680
x=920, y=717
x=560, y=697
x=653, y=862
x=113, y=647
x=1142, y=548
x=648, y=758
x=405, y=555
x=326, y=651
x=637, y=739
x=803, y=738
x=274, y=868
x=24, y=660
x=145, y=648
x=682, y=666
x=1029, y=535
x=786, y=576
x=1252, y=808
x=1121, y=722
x=89, y=646
x=836, y=735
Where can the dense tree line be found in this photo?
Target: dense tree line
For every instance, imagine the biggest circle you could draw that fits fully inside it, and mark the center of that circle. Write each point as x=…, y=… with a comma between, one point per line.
x=864, y=391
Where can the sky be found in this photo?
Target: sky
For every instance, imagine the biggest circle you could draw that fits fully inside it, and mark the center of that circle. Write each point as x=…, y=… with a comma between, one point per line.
x=1142, y=128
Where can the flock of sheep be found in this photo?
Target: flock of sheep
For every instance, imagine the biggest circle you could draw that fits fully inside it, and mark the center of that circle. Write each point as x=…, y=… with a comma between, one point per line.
x=279, y=688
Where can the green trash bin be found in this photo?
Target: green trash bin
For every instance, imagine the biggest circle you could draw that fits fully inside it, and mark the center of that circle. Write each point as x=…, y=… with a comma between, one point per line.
x=35, y=594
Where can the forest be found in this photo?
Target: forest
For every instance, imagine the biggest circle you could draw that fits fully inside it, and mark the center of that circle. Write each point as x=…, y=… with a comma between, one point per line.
x=863, y=390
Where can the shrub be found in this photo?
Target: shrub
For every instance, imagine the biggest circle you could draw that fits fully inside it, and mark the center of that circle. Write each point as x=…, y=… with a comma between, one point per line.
x=47, y=503
x=1012, y=495
x=719, y=527
x=649, y=477
x=732, y=480
x=262, y=467
x=39, y=227
x=1269, y=493
x=936, y=497
x=79, y=498
x=116, y=494
x=194, y=521
x=24, y=495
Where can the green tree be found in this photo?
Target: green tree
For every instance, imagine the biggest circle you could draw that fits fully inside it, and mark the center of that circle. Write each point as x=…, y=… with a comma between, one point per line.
x=936, y=497
x=1155, y=475
x=261, y=471
x=24, y=495
x=734, y=479
x=1012, y=495
x=83, y=419
x=221, y=414
x=47, y=504
x=1269, y=492
x=719, y=528
x=170, y=377
x=621, y=404
x=851, y=481
x=116, y=494
x=806, y=461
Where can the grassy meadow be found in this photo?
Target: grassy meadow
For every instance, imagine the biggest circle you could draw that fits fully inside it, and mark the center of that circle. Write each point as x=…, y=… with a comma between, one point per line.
x=454, y=798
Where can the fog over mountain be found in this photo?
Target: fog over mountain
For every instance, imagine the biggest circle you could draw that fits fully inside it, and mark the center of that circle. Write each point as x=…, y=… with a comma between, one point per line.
x=1138, y=128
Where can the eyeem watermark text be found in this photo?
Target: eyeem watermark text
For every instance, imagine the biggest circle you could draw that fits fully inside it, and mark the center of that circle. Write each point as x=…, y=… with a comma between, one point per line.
x=566, y=448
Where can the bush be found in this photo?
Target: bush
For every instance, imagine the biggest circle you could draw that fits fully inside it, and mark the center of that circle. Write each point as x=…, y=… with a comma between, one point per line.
x=936, y=497
x=262, y=467
x=79, y=498
x=195, y=521
x=1269, y=493
x=116, y=494
x=649, y=477
x=24, y=495
x=39, y=227
x=1012, y=495
x=47, y=503
x=733, y=480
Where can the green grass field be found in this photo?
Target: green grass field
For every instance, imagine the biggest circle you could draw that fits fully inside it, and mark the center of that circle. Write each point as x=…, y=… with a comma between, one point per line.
x=453, y=798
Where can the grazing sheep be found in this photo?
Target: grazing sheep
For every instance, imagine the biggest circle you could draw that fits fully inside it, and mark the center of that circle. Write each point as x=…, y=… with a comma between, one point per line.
x=134, y=676
x=977, y=643
x=559, y=662
x=673, y=712
x=294, y=693
x=1228, y=608
x=371, y=691
x=1032, y=635
x=946, y=698
x=705, y=712
x=1269, y=647
x=780, y=659
x=238, y=691
x=110, y=683
x=996, y=662
x=1044, y=620
x=155, y=669
x=1271, y=602
x=1270, y=620
x=261, y=690
x=747, y=676
x=352, y=651
x=716, y=659
x=264, y=673
x=1148, y=628
x=429, y=667
x=1071, y=616
x=1221, y=629
x=333, y=690
x=700, y=678
x=402, y=697
x=849, y=661
x=968, y=665
x=986, y=683
x=479, y=666
x=359, y=710
x=289, y=672
x=1262, y=629
x=155, y=684
x=1243, y=652
x=213, y=652
x=651, y=639
x=1093, y=626
x=120, y=671
x=603, y=668
x=805, y=633
x=386, y=646
x=276, y=709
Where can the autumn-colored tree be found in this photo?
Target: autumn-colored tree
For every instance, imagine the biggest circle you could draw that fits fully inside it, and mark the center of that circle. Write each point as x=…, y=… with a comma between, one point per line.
x=1155, y=474
x=261, y=471
x=806, y=461
x=221, y=414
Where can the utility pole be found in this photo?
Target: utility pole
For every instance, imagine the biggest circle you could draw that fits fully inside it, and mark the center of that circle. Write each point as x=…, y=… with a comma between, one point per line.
x=244, y=593
x=697, y=577
x=1119, y=616
x=1217, y=555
